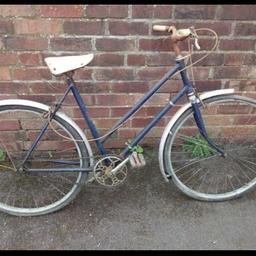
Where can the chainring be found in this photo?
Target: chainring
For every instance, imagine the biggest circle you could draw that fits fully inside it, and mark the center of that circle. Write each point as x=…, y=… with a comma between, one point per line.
x=103, y=167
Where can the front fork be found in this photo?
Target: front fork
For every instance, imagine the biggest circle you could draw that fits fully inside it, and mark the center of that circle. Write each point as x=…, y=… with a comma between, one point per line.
x=200, y=123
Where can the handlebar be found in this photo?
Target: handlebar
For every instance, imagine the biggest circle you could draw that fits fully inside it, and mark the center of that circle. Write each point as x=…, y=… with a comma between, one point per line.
x=178, y=35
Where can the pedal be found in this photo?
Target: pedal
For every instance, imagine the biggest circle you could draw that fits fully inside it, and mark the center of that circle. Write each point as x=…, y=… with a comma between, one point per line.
x=137, y=160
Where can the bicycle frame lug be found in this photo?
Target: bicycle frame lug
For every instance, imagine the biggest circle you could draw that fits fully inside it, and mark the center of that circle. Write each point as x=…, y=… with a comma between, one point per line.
x=192, y=98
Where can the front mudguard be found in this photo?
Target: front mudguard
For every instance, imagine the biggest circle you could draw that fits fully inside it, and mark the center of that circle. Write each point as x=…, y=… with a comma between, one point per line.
x=172, y=122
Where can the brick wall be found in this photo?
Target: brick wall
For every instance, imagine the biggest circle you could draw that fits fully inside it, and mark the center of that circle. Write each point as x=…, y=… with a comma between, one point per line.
x=129, y=56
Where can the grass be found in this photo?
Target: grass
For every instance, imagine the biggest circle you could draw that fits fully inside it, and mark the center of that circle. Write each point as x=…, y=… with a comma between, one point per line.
x=2, y=155
x=197, y=146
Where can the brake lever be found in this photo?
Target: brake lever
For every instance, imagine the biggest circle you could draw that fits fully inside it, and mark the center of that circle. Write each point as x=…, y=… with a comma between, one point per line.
x=196, y=44
x=195, y=36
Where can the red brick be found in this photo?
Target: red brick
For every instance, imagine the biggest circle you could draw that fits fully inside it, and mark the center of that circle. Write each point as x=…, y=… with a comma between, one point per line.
x=241, y=85
x=245, y=29
x=127, y=133
x=227, y=72
x=11, y=136
x=83, y=74
x=88, y=99
x=130, y=87
x=118, y=143
x=142, y=122
x=229, y=109
x=113, y=74
x=120, y=111
x=7, y=58
x=159, y=99
x=29, y=26
x=234, y=59
x=6, y=27
x=250, y=59
x=128, y=28
x=70, y=44
x=9, y=125
x=17, y=10
x=13, y=88
x=93, y=112
x=83, y=27
x=21, y=43
x=201, y=73
x=214, y=59
x=30, y=58
x=194, y=11
x=31, y=74
x=161, y=59
x=62, y=10
x=163, y=11
x=243, y=120
x=155, y=44
x=136, y=60
x=237, y=44
x=142, y=11
x=105, y=122
x=155, y=133
x=248, y=72
x=237, y=12
x=152, y=111
x=114, y=100
x=208, y=85
x=46, y=99
x=6, y=97
x=107, y=11
x=170, y=86
x=4, y=73
x=151, y=73
x=110, y=44
x=221, y=27
x=46, y=88
x=108, y=59
x=93, y=87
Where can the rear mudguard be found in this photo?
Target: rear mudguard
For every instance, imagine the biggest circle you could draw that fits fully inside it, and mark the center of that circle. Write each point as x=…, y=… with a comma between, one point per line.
x=171, y=123
x=60, y=114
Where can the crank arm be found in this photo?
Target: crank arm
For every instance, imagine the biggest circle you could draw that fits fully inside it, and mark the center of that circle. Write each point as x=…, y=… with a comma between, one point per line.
x=115, y=170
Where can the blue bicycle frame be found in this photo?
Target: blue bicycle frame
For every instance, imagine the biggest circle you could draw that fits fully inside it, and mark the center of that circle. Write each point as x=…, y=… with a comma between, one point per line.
x=186, y=89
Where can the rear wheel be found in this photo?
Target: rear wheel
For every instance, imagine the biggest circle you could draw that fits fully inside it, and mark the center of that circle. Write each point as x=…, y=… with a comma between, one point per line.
x=27, y=193
x=196, y=168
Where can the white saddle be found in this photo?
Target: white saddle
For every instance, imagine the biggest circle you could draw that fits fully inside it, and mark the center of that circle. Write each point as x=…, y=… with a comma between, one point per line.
x=60, y=65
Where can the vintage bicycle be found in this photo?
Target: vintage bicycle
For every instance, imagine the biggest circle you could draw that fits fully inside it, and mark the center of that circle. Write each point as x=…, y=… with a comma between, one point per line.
x=207, y=149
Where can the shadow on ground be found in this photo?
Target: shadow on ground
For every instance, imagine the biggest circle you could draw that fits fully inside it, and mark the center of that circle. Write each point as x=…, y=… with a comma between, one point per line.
x=144, y=213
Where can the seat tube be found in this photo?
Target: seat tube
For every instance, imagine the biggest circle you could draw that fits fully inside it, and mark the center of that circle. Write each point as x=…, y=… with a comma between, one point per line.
x=89, y=122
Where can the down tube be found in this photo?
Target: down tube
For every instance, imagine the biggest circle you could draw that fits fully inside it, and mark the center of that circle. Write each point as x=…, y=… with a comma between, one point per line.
x=154, y=121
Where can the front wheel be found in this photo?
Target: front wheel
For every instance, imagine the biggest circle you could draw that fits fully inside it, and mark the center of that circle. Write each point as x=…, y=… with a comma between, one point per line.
x=27, y=193
x=196, y=168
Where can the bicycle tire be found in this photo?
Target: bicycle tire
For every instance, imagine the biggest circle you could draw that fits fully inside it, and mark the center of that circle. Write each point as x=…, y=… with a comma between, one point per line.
x=229, y=119
x=72, y=182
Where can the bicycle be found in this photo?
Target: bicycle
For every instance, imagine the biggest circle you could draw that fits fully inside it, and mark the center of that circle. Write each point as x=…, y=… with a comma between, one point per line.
x=206, y=149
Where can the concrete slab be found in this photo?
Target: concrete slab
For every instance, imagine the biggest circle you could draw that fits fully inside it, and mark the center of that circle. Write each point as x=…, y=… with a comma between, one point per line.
x=144, y=213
